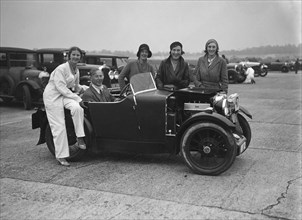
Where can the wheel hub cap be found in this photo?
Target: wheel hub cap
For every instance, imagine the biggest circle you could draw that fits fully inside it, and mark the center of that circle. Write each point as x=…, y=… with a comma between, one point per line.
x=206, y=149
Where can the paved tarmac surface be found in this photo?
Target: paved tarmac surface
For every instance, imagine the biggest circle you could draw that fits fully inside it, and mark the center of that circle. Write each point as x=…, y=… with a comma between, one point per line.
x=263, y=183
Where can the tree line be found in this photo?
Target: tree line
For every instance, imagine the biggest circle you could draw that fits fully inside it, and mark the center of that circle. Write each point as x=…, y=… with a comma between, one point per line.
x=269, y=50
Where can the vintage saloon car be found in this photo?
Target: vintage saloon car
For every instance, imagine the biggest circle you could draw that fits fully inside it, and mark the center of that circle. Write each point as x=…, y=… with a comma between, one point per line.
x=207, y=129
x=19, y=77
x=50, y=58
x=284, y=67
x=115, y=62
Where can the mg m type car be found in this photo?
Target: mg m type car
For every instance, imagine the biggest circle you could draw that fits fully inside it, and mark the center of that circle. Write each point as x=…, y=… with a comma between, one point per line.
x=207, y=128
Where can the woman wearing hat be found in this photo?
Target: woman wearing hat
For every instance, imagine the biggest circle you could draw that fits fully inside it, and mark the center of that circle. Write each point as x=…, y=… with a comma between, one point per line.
x=173, y=71
x=211, y=69
x=140, y=65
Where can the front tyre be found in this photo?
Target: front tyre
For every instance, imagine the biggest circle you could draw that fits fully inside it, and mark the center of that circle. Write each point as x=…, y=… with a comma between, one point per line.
x=263, y=73
x=208, y=149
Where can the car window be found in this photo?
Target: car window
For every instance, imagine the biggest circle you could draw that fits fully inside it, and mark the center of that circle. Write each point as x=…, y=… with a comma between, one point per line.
x=3, y=60
x=21, y=59
x=142, y=82
x=107, y=61
x=53, y=58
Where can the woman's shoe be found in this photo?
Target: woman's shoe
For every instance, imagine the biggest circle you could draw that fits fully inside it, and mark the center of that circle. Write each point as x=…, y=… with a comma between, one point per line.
x=63, y=162
x=81, y=143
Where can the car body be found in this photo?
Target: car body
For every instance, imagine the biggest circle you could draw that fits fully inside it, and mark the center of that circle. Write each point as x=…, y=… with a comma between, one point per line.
x=208, y=134
x=19, y=77
x=279, y=66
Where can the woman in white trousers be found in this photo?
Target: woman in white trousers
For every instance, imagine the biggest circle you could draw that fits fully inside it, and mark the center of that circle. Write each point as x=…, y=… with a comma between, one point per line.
x=57, y=96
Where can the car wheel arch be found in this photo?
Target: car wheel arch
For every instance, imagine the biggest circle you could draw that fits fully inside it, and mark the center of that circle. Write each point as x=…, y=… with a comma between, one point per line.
x=30, y=83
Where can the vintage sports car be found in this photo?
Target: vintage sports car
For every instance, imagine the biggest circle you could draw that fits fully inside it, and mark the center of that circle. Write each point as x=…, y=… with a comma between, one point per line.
x=235, y=73
x=207, y=128
x=259, y=68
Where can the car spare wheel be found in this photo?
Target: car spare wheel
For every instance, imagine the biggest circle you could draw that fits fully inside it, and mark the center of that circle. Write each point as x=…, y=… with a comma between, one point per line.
x=75, y=153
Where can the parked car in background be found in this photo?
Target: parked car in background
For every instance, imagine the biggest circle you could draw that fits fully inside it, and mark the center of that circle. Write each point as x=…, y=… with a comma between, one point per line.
x=115, y=62
x=19, y=77
x=259, y=68
x=291, y=64
x=279, y=66
x=235, y=73
x=50, y=58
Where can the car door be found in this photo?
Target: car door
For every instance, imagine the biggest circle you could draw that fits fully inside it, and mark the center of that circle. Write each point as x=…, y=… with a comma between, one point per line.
x=115, y=120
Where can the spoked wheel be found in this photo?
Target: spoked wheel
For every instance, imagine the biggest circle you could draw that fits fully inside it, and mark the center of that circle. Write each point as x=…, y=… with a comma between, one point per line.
x=208, y=149
x=75, y=153
x=263, y=73
x=232, y=76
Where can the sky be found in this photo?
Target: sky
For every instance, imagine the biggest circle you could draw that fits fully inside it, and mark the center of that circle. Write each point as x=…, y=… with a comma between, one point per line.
x=124, y=25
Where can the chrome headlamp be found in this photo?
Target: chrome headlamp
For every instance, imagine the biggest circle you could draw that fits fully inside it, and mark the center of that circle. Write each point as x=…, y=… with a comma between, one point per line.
x=220, y=104
x=226, y=105
x=111, y=74
x=116, y=74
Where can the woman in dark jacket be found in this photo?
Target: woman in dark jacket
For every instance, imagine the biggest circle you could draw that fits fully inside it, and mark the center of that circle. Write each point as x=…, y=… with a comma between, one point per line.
x=174, y=70
x=211, y=69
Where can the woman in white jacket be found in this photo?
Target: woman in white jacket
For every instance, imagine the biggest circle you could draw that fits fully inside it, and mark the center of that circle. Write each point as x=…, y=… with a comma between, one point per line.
x=57, y=96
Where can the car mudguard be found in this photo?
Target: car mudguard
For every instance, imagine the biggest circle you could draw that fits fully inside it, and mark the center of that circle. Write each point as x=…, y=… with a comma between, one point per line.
x=210, y=117
x=33, y=84
x=245, y=111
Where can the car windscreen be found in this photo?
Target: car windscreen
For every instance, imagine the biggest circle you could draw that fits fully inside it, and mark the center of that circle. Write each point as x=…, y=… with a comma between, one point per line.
x=142, y=82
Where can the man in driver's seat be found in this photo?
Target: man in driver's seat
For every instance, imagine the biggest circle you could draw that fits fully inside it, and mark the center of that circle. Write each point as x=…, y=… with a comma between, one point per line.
x=97, y=92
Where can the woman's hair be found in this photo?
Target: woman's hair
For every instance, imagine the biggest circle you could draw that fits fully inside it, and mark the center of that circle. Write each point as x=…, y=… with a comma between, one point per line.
x=73, y=49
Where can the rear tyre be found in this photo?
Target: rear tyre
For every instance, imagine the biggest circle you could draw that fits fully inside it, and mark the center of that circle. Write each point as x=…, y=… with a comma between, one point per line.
x=208, y=149
x=232, y=76
x=6, y=90
x=26, y=97
x=75, y=153
x=284, y=69
x=263, y=73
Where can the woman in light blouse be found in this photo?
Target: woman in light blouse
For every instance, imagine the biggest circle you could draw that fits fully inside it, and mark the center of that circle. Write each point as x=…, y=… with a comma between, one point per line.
x=60, y=93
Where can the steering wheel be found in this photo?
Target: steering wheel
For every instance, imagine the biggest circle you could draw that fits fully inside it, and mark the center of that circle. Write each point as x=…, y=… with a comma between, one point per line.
x=125, y=91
